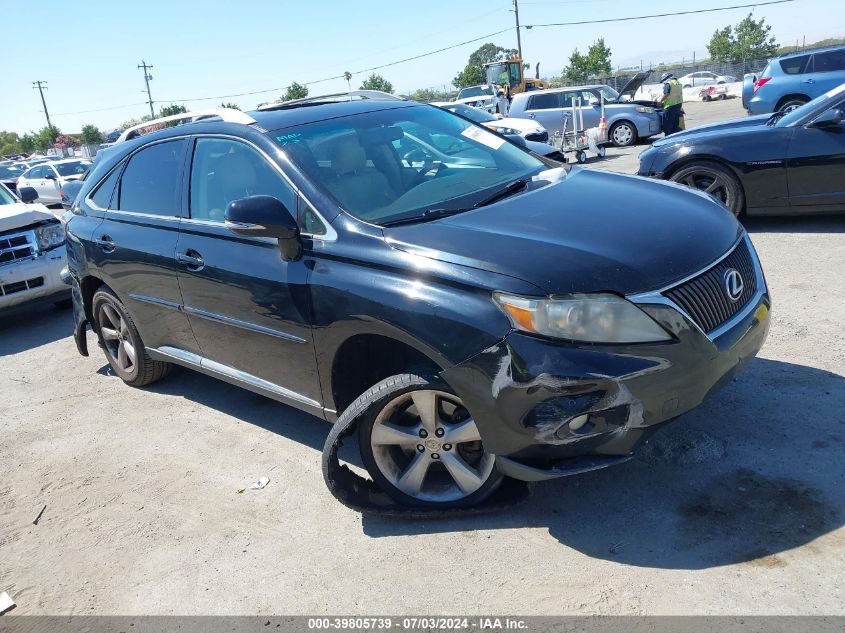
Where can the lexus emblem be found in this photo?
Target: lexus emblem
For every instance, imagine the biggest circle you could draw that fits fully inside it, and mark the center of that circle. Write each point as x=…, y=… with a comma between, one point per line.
x=733, y=284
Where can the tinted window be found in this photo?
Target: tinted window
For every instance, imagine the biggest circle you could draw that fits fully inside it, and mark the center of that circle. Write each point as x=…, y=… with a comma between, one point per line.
x=223, y=171
x=150, y=183
x=828, y=62
x=34, y=173
x=310, y=222
x=544, y=101
x=103, y=195
x=73, y=169
x=795, y=65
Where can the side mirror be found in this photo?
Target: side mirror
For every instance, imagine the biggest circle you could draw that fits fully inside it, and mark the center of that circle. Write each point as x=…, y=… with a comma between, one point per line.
x=50, y=176
x=27, y=194
x=829, y=119
x=265, y=216
x=595, y=102
x=516, y=139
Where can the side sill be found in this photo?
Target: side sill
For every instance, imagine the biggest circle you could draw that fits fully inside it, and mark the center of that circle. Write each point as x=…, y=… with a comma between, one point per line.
x=239, y=378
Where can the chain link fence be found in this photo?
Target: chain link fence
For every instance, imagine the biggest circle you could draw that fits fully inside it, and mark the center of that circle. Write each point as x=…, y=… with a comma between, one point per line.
x=733, y=69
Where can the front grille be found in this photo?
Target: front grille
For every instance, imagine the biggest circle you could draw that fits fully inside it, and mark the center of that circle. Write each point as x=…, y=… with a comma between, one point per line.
x=540, y=137
x=20, y=286
x=16, y=246
x=705, y=299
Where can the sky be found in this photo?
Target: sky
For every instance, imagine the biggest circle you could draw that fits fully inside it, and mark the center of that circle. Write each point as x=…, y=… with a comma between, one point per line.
x=202, y=49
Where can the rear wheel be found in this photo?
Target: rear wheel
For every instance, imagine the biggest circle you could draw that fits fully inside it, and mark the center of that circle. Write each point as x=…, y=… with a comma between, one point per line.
x=420, y=444
x=122, y=344
x=792, y=103
x=715, y=180
x=623, y=134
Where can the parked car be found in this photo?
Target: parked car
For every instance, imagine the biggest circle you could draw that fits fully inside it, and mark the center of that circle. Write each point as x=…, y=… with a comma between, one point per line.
x=705, y=78
x=790, y=81
x=483, y=97
x=32, y=252
x=477, y=317
x=509, y=126
x=628, y=121
x=9, y=175
x=783, y=163
x=48, y=178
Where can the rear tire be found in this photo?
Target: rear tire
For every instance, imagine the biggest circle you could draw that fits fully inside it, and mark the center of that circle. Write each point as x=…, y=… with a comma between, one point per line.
x=791, y=103
x=715, y=180
x=420, y=445
x=121, y=342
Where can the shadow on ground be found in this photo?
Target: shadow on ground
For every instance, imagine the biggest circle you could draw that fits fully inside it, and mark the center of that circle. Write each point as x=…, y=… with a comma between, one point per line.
x=28, y=328
x=795, y=224
x=751, y=474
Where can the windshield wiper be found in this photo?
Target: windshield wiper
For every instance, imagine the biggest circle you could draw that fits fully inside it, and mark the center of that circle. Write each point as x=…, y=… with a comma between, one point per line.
x=508, y=190
x=425, y=216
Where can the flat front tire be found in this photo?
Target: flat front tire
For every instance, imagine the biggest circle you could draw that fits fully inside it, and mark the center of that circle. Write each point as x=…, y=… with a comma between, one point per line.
x=122, y=343
x=420, y=444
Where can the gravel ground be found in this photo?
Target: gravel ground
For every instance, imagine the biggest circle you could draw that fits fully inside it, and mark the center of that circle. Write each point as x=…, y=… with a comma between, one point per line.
x=737, y=508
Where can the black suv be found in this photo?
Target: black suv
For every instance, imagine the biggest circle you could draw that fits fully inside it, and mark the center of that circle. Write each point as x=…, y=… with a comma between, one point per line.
x=479, y=312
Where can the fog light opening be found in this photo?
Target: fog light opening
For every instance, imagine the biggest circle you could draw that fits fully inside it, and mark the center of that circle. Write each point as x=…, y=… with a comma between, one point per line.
x=576, y=423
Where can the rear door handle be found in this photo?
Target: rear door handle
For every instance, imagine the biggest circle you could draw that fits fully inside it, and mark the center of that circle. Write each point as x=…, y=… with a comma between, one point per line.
x=191, y=259
x=531, y=115
x=105, y=243
x=809, y=81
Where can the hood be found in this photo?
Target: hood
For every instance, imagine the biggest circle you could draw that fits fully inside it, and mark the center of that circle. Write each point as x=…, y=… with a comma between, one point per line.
x=472, y=100
x=19, y=215
x=591, y=232
x=523, y=125
x=634, y=83
x=726, y=127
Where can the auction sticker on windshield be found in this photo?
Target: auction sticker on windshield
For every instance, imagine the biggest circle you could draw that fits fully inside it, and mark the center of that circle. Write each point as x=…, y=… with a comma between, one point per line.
x=484, y=137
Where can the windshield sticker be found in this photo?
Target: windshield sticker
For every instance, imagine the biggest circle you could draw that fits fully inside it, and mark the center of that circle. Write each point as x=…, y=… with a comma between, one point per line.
x=290, y=138
x=484, y=137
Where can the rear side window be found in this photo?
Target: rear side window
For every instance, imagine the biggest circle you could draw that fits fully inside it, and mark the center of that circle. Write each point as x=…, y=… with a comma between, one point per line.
x=150, y=182
x=102, y=196
x=544, y=101
x=795, y=65
x=829, y=62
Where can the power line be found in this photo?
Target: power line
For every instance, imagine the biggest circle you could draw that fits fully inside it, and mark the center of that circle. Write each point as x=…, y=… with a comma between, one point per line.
x=147, y=77
x=659, y=15
x=42, y=85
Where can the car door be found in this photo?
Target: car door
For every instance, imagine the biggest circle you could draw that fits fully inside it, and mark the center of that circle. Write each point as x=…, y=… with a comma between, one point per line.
x=135, y=244
x=35, y=178
x=828, y=72
x=248, y=307
x=545, y=108
x=816, y=167
x=49, y=192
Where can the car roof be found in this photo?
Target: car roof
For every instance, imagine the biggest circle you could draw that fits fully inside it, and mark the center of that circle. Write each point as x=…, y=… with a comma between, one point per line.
x=525, y=95
x=321, y=111
x=810, y=51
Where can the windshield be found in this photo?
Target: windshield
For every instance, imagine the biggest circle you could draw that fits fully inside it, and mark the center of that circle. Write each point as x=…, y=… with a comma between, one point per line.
x=474, y=114
x=75, y=168
x=609, y=94
x=475, y=91
x=799, y=113
x=6, y=196
x=391, y=164
x=12, y=171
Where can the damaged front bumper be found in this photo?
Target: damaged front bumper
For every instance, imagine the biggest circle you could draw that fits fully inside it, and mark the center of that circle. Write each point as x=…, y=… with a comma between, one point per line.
x=549, y=409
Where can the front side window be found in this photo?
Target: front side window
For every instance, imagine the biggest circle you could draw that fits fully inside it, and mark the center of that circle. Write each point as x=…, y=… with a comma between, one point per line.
x=387, y=165
x=76, y=168
x=829, y=62
x=150, y=182
x=224, y=170
x=34, y=174
x=6, y=196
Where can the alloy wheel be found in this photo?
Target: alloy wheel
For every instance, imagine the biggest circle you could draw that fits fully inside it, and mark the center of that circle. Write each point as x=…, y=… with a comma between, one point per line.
x=117, y=338
x=709, y=181
x=426, y=444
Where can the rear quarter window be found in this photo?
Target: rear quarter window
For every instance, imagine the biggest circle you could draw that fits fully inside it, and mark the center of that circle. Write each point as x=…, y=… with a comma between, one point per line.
x=795, y=65
x=544, y=101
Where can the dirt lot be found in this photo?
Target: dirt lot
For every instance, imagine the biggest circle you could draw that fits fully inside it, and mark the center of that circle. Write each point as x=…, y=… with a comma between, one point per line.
x=737, y=508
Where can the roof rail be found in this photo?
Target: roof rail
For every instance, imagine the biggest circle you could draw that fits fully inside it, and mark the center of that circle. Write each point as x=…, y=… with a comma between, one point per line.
x=229, y=115
x=350, y=95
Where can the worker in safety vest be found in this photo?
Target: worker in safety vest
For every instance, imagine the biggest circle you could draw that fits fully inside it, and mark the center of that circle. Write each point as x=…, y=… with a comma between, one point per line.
x=672, y=101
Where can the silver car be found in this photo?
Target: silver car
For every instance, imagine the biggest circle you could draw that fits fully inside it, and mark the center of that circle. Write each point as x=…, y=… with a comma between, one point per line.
x=628, y=121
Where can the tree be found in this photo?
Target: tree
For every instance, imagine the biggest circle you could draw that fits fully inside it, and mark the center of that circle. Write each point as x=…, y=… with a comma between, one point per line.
x=134, y=122
x=91, y=135
x=749, y=39
x=229, y=104
x=26, y=144
x=596, y=63
x=377, y=82
x=295, y=91
x=172, y=109
x=473, y=73
x=46, y=137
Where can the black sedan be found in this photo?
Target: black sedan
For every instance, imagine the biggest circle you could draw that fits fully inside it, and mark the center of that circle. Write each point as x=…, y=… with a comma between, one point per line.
x=763, y=165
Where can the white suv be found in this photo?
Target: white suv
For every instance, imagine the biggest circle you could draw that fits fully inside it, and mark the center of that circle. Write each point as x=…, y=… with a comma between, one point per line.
x=47, y=178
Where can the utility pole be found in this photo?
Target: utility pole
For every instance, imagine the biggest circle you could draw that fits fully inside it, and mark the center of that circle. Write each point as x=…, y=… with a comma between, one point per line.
x=147, y=77
x=42, y=85
x=518, y=36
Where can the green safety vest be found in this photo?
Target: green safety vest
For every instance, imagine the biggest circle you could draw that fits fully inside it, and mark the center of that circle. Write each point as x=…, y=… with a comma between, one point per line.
x=676, y=94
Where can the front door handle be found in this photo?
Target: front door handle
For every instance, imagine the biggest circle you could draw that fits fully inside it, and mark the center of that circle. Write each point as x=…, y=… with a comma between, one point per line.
x=531, y=115
x=105, y=243
x=810, y=81
x=191, y=259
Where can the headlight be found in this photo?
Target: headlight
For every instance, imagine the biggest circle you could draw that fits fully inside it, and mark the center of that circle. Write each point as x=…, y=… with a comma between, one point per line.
x=50, y=236
x=508, y=130
x=596, y=318
x=645, y=109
